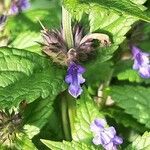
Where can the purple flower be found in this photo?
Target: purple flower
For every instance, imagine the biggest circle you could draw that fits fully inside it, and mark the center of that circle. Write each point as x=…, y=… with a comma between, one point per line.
x=105, y=136
x=74, y=78
x=18, y=6
x=141, y=62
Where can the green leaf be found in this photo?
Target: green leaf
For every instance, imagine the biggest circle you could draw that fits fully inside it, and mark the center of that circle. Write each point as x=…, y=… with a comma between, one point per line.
x=100, y=75
x=24, y=143
x=27, y=76
x=125, y=119
x=141, y=142
x=121, y=7
x=112, y=17
x=67, y=145
x=28, y=21
x=37, y=114
x=86, y=112
x=27, y=40
x=135, y=101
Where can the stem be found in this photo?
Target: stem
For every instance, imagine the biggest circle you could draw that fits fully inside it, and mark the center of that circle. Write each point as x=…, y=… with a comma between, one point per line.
x=67, y=29
x=66, y=126
x=67, y=103
x=71, y=111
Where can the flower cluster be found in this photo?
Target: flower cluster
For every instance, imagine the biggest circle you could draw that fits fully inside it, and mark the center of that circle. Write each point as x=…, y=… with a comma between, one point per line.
x=56, y=47
x=141, y=62
x=105, y=136
x=18, y=6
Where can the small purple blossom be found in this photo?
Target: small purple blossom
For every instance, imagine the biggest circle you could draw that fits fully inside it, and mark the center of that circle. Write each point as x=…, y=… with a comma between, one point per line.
x=75, y=79
x=141, y=62
x=105, y=136
x=18, y=6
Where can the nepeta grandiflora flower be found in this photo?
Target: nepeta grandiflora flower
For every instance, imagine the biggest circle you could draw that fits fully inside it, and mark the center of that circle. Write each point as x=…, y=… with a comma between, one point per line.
x=18, y=6
x=141, y=62
x=56, y=47
x=105, y=136
x=74, y=78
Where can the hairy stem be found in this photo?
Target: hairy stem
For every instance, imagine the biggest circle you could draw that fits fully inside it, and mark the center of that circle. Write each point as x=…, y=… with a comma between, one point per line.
x=67, y=28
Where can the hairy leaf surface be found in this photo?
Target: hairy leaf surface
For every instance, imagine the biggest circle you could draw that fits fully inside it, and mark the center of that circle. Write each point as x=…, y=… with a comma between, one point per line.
x=27, y=76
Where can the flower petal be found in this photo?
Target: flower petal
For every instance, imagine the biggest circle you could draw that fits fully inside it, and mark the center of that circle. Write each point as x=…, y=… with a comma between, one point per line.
x=144, y=72
x=111, y=132
x=74, y=90
x=97, y=140
x=135, y=51
x=97, y=125
x=110, y=146
x=117, y=140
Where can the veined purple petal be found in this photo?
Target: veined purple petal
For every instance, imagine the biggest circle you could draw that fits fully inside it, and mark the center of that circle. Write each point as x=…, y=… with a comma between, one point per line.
x=75, y=79
x=105, y=138
x=98, y=125
x=135, y=51
x=75, y=90
x=110, y=146
x=111, y=132
x=144, y=71
x=97, y=140
x=117, y=140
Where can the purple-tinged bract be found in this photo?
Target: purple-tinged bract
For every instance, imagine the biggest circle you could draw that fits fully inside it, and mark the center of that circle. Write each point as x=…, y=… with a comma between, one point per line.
x=105, y=136
x=141, y=62
x=75, y=79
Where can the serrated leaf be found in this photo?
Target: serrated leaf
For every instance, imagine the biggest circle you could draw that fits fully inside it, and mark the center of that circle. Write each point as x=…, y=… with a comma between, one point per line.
x=135, y=101
x=125, y=119
x=37, y=114
x=121, y=7
x=26, y=40
x=141, y=142
x=106, y=16
x=67, y=145
x=86, y=112
x=27, y=76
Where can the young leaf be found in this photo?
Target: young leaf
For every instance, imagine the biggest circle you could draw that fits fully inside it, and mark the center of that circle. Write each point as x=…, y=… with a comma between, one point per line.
x=86, y=112
x=68, y=145
x=141, y=142
x=135, y=101
x=27, y=76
